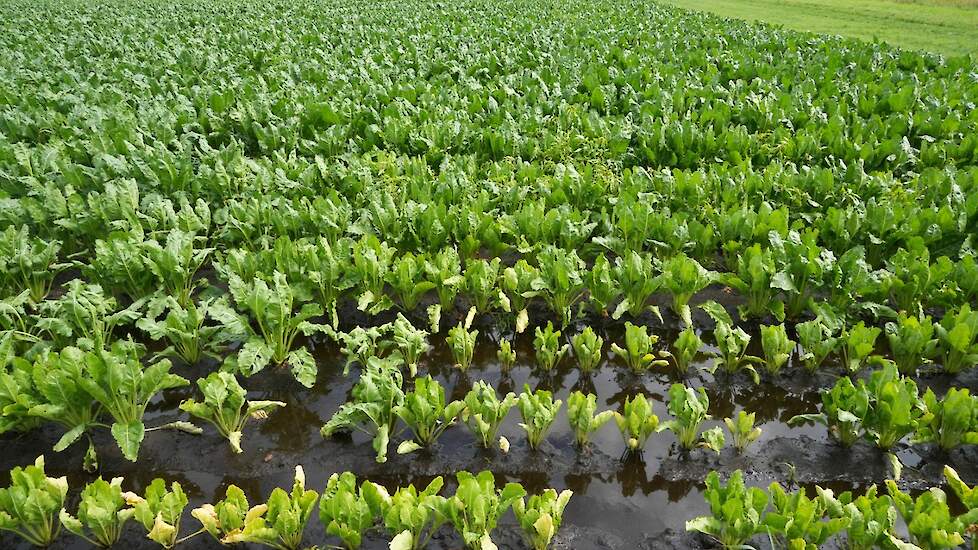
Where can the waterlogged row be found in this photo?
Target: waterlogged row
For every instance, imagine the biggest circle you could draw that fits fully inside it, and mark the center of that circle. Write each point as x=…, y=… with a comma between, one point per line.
x=865, y=521
x=379, y=400
x=883, y=410
x=33, y=507
x=83, y=391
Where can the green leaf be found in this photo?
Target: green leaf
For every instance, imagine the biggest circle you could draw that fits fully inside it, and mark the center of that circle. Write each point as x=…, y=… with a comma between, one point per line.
x=303, y=367
x=129, y=437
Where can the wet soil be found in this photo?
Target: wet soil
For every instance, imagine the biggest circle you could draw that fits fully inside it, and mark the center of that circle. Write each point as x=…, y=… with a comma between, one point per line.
x=619, y=502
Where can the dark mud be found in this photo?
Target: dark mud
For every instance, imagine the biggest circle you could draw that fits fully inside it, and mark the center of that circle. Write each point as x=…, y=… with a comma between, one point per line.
x=619, y=502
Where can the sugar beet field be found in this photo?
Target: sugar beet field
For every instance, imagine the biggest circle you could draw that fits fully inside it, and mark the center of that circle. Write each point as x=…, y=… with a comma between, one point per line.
x=514, y=274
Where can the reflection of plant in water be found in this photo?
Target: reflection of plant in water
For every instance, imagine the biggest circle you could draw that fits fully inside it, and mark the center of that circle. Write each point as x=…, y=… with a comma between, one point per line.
x=633, y=475
x=792, y=473
x=579, y=483
x=584, y=384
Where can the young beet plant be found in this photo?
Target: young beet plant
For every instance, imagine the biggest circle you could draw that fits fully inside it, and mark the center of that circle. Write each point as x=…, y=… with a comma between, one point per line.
x=226, y=407
x=29, y=507
x=461, y=341
x=858, y=344
x=958, y=337
x=117, y=380
x=28, y=263
x=547, y=345
x=360, y=344
x=742, y=430
x=516, y=290
x=929, y=520
x=683, y=277
x=477, y=505
x=426, y=413
x=410, y=516
x=480, y=282
x=733, y=357
x=540, y=516
x=583, y=417
x=737, y=512
x=844, y=410
x=16, y=319
x=176, y=262
x=560, y=282
x=539, y=410
x=375, y=397
x=636, y=276
x=688, y=408
x=484, y=411
x=636, y=423
x=159, y=511
x=506, y=355
x=684, y=351
x=967, y=495
x=185, y=328
x=950, y=421
x=84, y=316
x=638, y=352
x=797, y=519
x=54, y=392
x=602, y=286
x=756, y=278
x=587, y=349
x=227, y=517
x=279, y=523
x=344, y=509
x=869, y=518
x=372, y=259
x=895, y=409
x=777, y=347
x=445, y=271
x=410, y=342
x=911, y=341
x=802, y=266
x=273, y=310
x=102, y=513
x=327, y=264
x=817, y=343
x=408, y=281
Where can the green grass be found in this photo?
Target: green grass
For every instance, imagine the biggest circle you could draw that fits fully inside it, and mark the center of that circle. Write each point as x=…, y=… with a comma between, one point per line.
x=944, y=26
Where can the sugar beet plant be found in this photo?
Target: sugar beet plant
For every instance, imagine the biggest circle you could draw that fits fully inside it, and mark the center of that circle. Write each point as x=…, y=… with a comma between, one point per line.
x=372, y=410
x=688, y=408
x=583, y=417
x=426, y=413
x=226, y=406
x=484, y=411
x=539, y=410
x=29, y=507
x=273, y=309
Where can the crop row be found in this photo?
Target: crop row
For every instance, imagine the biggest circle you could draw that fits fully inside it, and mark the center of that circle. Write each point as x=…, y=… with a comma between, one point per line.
x=869, y=520
x=82, y=390
x=280, y=294
x=884, y=409
x=782, y=272
x=33, y=507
